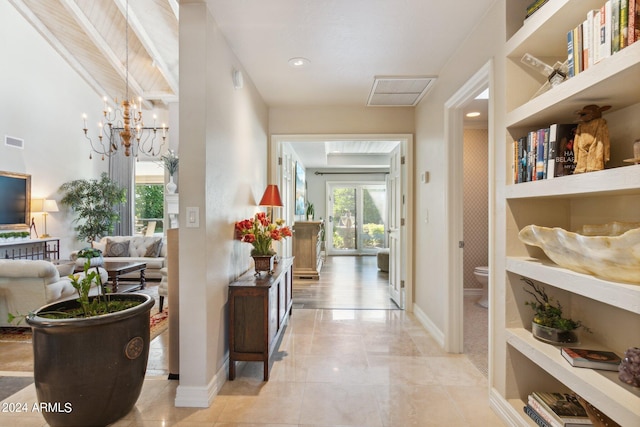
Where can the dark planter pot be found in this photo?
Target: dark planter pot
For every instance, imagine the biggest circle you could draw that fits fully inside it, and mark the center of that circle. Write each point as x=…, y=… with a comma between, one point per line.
x=89, y=372
x=263, y=263
x=553, y=335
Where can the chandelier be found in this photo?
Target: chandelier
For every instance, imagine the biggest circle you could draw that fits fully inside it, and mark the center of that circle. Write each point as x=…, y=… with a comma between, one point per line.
x=125, y=126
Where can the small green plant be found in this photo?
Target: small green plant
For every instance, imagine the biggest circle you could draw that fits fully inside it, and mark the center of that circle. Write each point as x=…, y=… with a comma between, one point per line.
x=310, y=210
x=89, y=253
x=547, y=311
x=19, y=234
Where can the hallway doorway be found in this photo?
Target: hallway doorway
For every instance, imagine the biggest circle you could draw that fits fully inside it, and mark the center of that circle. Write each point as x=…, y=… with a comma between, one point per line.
x=346, y=282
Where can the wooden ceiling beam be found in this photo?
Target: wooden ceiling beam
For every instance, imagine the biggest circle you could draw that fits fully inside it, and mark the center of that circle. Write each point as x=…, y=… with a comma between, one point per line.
x=103, y=46
x=148, y=44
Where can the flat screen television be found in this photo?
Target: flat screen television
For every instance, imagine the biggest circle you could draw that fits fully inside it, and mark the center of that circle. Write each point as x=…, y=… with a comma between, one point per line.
x=15, y=200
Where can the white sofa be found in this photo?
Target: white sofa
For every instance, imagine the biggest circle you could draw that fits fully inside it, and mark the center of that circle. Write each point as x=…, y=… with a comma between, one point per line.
x=150, y=250
x=27, y=285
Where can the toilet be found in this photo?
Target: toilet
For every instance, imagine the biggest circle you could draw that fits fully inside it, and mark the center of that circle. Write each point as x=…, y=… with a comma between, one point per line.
x=482, y=276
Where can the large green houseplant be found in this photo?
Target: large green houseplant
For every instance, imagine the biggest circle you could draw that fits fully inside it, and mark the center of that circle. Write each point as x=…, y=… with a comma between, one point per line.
x=95, y=204
x=90, y=354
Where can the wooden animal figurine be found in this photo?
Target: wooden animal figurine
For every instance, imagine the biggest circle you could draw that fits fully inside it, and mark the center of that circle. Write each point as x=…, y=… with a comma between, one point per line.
x=591, y=146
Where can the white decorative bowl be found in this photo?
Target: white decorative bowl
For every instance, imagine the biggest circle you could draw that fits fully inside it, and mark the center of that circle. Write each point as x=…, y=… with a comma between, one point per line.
x=614, y=258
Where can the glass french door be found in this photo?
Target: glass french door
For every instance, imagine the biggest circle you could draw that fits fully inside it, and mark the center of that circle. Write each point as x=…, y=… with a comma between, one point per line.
x=357, y=218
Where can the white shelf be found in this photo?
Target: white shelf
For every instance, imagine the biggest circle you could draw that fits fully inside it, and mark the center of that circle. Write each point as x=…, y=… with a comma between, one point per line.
x=621, y=295
x=581, y=198
x=617, y=181
x=600, y=85
x=602, y=389
x=545, y=32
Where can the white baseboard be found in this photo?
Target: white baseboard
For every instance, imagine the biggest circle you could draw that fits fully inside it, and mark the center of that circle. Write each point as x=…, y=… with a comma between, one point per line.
x=504, y=410
x=201, y=397
x=433, y=330
x=472, y=292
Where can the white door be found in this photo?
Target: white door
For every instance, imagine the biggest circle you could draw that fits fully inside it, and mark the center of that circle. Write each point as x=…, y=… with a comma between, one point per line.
x=394, y=201
x=287, y=196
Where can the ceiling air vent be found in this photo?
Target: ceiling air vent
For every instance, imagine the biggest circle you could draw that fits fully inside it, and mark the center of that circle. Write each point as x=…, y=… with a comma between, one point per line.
x=398, y=91
x=13, y=142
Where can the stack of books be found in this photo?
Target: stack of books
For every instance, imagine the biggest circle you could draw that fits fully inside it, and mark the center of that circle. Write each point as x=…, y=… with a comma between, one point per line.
x=550, y=409
x=545, y=153
x=605, y=31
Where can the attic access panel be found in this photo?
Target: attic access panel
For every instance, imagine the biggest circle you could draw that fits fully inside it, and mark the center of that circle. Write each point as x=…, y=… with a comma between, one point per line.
x=398, y=91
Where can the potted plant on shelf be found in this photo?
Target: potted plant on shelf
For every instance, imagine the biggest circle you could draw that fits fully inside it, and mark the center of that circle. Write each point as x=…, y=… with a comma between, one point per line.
x=90, y=354
x=94, y=202
x=548, y=325
x=310, y=211
x=261, y=232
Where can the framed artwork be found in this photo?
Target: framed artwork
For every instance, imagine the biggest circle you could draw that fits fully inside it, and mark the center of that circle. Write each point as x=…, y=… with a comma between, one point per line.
x=301, y=190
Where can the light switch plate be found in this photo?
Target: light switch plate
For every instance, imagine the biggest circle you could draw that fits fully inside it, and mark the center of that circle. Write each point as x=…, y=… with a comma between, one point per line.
x=193, y=217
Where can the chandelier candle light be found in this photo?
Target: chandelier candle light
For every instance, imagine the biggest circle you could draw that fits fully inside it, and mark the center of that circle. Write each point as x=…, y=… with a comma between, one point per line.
x=126, y=123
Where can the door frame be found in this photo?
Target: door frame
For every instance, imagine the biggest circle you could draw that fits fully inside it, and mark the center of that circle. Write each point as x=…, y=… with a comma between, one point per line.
x=407, y=202
x=454, y=140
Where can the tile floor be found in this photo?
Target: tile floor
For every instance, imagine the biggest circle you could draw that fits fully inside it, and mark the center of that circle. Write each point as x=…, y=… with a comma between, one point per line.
x=333, y=368
x=372, y=366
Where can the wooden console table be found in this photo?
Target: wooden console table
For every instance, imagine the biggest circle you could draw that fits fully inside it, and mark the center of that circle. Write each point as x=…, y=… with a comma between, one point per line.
x=259, y=308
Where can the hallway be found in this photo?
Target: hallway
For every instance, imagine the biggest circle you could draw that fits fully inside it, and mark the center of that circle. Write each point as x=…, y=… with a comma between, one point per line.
x=351, y=282
x=333, y=367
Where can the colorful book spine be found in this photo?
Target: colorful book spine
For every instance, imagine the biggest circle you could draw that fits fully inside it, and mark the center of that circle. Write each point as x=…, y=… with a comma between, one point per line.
x=571, y=70
x=540, y=159
x=615, y=26
x=605, y=30
x=634, y=21
x=587, y=54
x=537, y=406
x=624, y=23
x=535, y=416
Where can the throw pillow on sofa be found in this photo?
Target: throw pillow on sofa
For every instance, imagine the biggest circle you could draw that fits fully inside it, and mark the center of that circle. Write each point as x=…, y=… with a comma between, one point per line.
x=153, y=250
x=117, y=249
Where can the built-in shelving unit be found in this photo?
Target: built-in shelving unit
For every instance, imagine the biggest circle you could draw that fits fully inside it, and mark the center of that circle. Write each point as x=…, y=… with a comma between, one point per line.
x=611, y=310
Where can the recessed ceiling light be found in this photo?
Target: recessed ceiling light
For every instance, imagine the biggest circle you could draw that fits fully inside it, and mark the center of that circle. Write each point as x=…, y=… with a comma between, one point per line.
x=473, y=114
x=298, y=62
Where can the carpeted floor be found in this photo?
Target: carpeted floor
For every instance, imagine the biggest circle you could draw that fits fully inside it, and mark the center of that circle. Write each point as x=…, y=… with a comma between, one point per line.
x=476, y=333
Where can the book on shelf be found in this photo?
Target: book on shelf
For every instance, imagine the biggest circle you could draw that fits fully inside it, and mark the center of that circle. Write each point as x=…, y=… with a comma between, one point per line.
x=634, y=21
x=605, y=30
x=615, y=26
x=561, y=137
x=571, y=67
x=563, y=408
x=533, y=7
x=624, y=23
x=535, y=416
x=588, y=358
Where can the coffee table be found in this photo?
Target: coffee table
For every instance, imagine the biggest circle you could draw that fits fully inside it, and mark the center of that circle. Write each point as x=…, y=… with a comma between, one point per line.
x=115, y=269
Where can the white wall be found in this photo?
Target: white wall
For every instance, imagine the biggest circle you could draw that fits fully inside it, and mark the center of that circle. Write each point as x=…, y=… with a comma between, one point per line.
x=42, y=101
x=484, y=43
x=223, y=172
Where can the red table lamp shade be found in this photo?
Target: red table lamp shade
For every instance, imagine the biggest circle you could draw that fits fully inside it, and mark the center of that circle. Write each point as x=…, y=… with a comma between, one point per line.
x=271, y=196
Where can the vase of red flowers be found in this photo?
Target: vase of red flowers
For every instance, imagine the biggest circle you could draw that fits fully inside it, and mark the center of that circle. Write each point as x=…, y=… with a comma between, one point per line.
x=261, y=232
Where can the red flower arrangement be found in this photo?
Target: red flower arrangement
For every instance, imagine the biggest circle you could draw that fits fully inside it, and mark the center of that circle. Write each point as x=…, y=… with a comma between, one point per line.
x=260, y=232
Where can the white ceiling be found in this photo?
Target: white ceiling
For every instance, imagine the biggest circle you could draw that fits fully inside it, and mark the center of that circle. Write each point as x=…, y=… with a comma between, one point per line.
x=348, y=43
